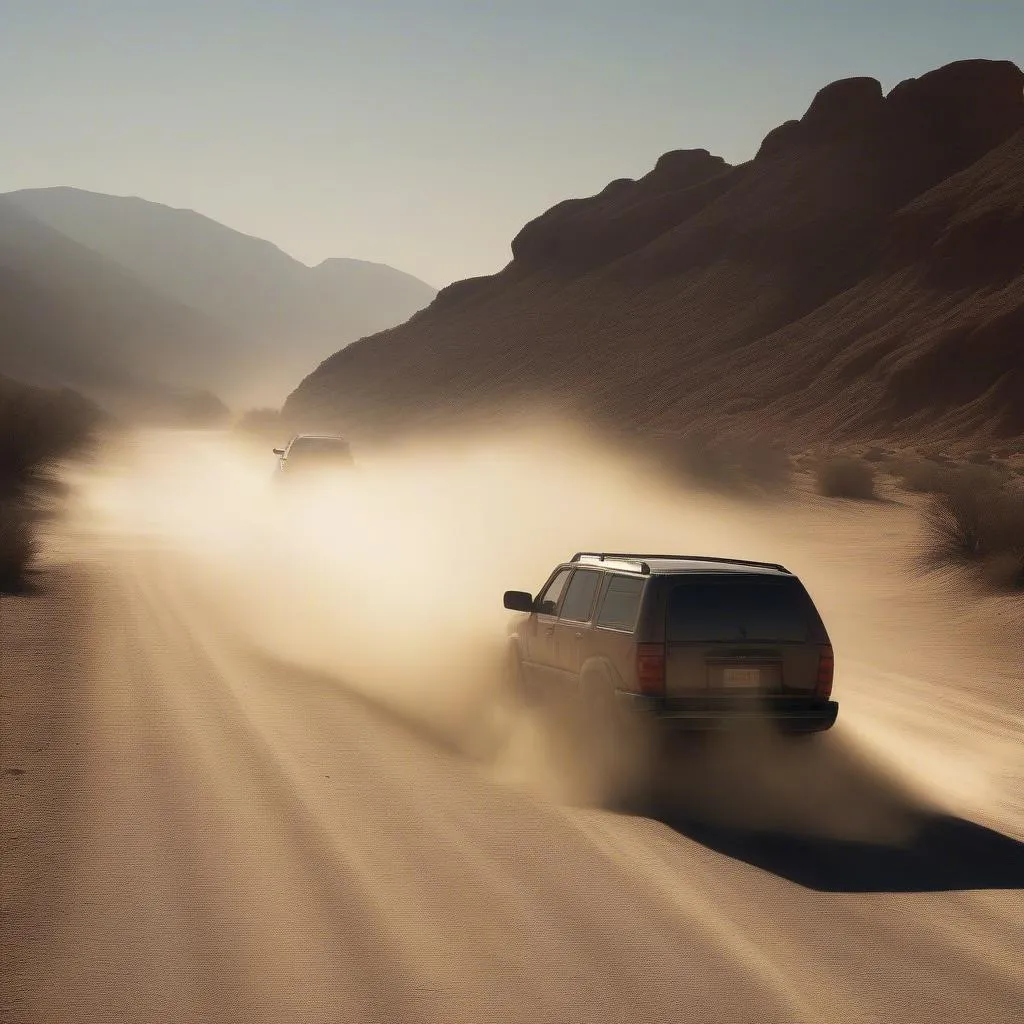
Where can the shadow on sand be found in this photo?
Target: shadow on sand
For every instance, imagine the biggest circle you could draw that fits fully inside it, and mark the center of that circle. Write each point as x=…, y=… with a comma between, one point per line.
x=824, y=817
x=816, y=813
x=946, y=853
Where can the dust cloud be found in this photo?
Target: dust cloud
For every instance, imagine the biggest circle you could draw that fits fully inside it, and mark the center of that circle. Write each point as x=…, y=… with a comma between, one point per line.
x=389, y=579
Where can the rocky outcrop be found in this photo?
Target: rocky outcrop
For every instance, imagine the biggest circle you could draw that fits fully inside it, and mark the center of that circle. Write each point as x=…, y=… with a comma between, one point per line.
x=580, y=234
x=832, y=285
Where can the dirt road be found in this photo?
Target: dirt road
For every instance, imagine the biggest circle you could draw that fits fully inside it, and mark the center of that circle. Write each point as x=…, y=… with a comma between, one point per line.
x=199, y=826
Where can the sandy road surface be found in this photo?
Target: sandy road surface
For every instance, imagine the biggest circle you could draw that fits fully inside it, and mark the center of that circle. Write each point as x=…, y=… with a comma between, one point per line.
x=199, y=827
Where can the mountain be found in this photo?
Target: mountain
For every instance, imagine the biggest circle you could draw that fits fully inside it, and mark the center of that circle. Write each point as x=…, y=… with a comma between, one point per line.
x=69, y=316
x=860, y=277
x=286, y=315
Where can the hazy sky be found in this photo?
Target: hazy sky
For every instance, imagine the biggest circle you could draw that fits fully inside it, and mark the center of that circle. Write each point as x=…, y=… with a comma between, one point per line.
x=425, y=134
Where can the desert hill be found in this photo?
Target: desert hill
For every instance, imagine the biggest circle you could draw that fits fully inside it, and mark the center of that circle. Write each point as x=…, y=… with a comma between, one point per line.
x=861, y=276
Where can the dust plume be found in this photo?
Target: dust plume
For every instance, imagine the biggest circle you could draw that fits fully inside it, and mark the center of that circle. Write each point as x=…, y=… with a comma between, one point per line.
x=389, y=579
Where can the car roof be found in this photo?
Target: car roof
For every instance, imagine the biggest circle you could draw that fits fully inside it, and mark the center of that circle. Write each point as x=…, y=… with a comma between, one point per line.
x=665, y=565
x=317, y=437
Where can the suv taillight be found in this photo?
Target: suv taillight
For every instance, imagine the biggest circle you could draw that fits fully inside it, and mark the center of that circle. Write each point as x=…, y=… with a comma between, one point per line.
x=826, y=669
x=650, y=669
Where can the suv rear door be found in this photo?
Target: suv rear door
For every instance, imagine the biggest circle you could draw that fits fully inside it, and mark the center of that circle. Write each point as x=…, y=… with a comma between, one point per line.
x=614, y=635
x=574, y=624
x=737, y=634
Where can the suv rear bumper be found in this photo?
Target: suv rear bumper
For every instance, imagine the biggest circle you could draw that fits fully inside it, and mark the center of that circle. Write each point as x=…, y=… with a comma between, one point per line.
x=788, y=714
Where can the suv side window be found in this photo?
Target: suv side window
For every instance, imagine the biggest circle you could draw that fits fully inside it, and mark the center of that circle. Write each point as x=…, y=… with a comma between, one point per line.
x=579, y=598
x=621, y=605
x=547, y=603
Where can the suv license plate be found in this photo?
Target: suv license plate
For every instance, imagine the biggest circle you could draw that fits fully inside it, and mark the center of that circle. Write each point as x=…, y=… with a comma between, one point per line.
x=741, y=677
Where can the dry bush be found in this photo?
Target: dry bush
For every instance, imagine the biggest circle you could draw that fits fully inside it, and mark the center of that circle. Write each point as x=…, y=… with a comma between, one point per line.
x=17, y=543
x=846, y=477
x=922, y=476
x=979, y=458
x=38, y=428
x=875, y=454
x=979, y=519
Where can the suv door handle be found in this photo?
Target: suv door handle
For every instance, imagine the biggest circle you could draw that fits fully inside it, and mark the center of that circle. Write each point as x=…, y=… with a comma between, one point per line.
x=549, y=631
x=579, y=636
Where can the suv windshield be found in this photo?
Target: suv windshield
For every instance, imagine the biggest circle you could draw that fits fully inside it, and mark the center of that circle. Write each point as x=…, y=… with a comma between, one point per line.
x=741, y=609
x=320, y=447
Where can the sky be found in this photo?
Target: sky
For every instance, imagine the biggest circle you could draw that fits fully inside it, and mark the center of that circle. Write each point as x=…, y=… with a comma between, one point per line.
x=425, y=133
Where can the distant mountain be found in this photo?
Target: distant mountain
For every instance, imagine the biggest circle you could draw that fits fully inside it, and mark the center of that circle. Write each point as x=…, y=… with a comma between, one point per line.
x=862, y=276
x=70, y=316
x=284, y=315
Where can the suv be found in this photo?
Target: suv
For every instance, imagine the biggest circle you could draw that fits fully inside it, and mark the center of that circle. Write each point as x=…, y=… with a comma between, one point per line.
x=695, y=641
x=307, y=454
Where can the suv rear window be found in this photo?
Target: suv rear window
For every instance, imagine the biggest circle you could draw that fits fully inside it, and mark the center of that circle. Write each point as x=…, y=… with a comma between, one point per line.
x=621, y=603
x=740, y=609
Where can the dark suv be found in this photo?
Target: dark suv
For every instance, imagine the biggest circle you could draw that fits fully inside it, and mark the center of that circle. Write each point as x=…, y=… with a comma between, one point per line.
x=310, y=455
x=696, y=641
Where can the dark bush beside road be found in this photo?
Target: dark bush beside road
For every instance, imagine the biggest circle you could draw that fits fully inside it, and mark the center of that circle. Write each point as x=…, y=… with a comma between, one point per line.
x=38, y=428
x=976, y=517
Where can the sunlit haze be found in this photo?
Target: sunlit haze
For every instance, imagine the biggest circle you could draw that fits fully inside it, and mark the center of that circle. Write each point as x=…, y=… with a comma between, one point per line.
x=425, y=135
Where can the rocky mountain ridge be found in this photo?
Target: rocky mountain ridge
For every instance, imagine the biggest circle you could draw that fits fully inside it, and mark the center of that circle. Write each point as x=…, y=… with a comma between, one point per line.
x=861, y=276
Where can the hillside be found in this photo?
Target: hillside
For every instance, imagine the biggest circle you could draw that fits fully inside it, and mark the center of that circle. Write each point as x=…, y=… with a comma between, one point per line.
x=287, y=315
x=69, y=316
x=861, y=276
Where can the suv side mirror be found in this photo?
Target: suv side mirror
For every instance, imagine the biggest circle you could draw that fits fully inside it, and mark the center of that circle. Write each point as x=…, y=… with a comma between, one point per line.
x=279, y=451
x=518, y=601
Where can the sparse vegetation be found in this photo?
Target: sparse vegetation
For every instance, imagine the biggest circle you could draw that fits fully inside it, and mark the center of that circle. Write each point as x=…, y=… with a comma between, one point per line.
x=875, y=454
x=37, y=429
x=919, y=475
x=17, y=544
x=846, y=477
x=977, y=518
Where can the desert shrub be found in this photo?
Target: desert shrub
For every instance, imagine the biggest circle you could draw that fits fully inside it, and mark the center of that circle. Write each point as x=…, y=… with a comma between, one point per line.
x=38, y=428
x=979, y=458
x=875, y=454
x=979, y=519
x=926, y=477
x=846, y=477
x=17, y=542
x=922, y=476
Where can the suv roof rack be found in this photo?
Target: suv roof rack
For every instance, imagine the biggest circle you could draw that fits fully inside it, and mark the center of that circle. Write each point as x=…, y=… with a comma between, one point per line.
x=629, y=562
x=642, y=559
